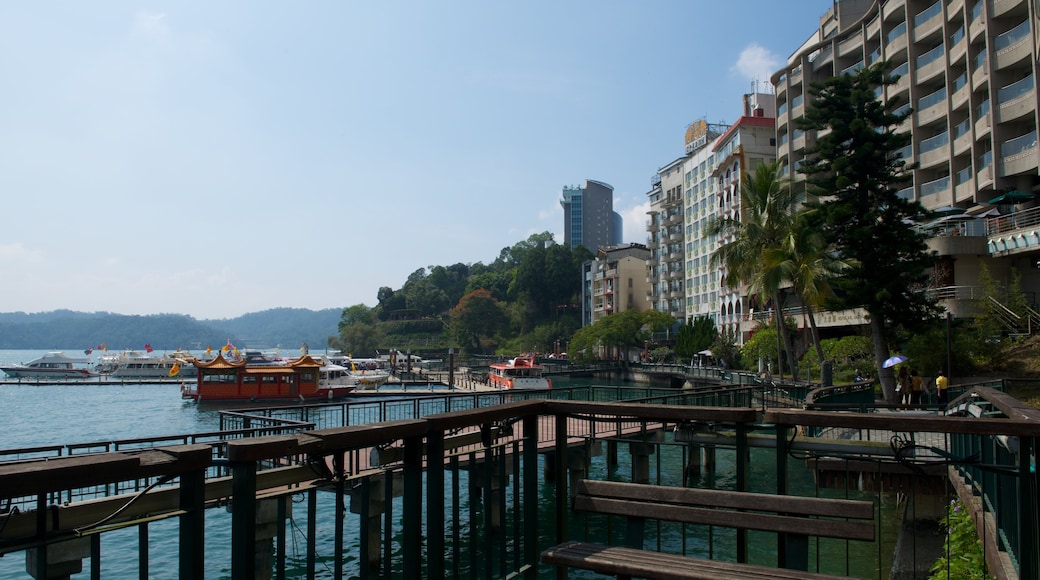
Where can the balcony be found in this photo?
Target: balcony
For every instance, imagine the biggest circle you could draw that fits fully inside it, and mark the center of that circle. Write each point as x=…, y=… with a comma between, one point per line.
x=963, y=184
x=984, y=174
x=980, y=69
x=932, y=107
x=977, y=23
x=962, y=137
x=1018, y=155
x=934, y=188
x=1002, y=8
x=933, y=151
x=850, y=45
x=896, y=39
x=958, y=47
x=959, y=98
x=982, y=124
x=1016, y=100
x=928, y=21
x=930, y=64
x=1013, y=46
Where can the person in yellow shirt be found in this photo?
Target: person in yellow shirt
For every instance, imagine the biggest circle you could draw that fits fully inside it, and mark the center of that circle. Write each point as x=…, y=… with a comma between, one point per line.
x=942, y=384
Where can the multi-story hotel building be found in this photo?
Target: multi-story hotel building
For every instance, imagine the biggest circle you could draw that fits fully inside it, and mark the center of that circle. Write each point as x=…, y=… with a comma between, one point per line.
x=689, y=192
x=967, y=68
x=614, y=282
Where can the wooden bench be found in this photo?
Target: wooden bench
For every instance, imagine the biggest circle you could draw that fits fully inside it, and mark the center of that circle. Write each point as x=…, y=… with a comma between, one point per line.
x=793, y=518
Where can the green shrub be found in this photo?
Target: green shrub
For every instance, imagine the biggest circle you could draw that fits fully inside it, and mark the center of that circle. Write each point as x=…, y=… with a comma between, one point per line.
x=962, y=557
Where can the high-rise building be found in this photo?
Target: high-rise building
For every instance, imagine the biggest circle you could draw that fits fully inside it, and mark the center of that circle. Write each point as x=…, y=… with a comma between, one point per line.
x=689, y=192
x=967, y=69
x=588, y=216
x=614, y=282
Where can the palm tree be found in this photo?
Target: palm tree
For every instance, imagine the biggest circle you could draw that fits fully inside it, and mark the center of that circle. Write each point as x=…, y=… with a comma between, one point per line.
x=751, y=246
x=809, y=264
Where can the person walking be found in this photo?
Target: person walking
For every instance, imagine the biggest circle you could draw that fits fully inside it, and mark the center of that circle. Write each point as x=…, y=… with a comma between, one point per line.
x=916, y=387
x=903, y=386
x=942, y=384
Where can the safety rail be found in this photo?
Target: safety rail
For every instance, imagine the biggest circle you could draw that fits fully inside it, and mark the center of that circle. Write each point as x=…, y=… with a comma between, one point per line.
x=459, y=493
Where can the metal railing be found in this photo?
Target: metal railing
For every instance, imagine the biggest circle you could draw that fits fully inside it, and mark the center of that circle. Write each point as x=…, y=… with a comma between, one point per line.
x=459, y=493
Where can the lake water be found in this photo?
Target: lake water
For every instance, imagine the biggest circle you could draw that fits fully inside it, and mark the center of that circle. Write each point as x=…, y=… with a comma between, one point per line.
x=95, y=411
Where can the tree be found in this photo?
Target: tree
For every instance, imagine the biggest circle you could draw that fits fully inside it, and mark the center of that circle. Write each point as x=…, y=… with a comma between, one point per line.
x=854, y=172
x=477, y=316
x=694, y=337
x=757, y=237
x=809, y=264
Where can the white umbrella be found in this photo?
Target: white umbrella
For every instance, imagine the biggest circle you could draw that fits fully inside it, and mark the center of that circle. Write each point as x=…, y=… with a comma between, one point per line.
x=893, y=361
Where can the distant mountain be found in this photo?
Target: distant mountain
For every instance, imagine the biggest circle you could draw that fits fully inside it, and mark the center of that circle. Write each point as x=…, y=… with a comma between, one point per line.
x=279, y=327
x=282, y=327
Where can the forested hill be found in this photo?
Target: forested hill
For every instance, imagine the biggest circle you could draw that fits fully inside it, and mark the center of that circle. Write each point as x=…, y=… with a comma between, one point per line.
x=280, y=327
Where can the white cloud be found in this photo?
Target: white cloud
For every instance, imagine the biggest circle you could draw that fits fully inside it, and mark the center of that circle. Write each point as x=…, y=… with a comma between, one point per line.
x=756, y=63
x=635, y=223
x=150, y=22
x=17, y=253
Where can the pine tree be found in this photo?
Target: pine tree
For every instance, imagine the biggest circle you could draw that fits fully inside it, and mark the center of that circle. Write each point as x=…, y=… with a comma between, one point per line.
x=854, y=173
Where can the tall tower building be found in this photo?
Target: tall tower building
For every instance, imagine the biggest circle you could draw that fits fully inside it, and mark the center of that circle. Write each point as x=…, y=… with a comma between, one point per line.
x=588, y=216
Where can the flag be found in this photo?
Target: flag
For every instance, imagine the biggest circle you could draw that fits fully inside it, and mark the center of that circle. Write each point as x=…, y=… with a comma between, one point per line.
x=88, y=350
x=148, y=348
x=209, y=349
x=175, y=369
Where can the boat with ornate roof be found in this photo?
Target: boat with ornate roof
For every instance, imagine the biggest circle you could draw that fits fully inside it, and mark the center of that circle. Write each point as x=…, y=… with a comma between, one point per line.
x=54, y=365
x=518, y=373
x=233, y=380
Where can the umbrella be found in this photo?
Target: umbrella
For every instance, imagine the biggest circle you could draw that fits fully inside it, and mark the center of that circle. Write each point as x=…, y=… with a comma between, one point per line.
x=1012, y=197
x=705, y=352
x=948, y=209
x=893, y=361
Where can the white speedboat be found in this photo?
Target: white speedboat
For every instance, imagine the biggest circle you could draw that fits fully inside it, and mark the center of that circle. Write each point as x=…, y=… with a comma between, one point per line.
x=132, y=364
x=53, y=365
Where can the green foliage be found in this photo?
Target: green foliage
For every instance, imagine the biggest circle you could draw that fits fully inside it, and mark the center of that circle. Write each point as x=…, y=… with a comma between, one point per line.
x=927, y=348
x=725, y=349
x=761, y=345
x=477, y=319
x=612, y=336
x=849, y=354
x=758, y=251
x=963, y=556
x=662, y=354
x=854, y=174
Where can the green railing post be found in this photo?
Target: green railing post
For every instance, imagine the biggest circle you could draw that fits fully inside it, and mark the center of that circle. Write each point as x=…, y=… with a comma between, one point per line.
x=1028, y=550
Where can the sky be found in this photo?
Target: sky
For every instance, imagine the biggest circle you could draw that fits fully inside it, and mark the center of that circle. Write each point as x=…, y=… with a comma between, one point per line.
x=220, y=158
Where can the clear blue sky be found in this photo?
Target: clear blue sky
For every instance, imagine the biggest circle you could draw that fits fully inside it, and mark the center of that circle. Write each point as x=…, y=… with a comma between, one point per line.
x=218, y=158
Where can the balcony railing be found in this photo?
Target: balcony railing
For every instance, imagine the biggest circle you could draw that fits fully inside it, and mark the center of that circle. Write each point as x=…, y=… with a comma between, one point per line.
x=1010, y=93
x=1011, y=37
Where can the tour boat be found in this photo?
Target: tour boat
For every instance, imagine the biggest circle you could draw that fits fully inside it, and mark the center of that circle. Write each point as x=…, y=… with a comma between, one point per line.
x=233, y=380
x=53, y=365
x=518, y=373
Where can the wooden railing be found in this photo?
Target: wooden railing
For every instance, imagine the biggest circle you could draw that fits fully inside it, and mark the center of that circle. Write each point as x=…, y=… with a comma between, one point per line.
x=461, y=493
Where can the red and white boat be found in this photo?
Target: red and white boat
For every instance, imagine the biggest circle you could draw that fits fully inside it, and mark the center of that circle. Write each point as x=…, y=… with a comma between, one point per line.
x=518, y=373
x=233, y=380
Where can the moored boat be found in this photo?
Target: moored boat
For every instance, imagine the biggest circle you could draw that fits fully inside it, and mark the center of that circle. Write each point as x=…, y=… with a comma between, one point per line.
x=518, y=373
x=233, y=380
x=132, y=364
x=54, y=365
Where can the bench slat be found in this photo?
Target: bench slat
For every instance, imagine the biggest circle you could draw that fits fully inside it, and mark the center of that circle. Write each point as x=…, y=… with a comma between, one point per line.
x=661, y=566
x=727, y=518
x=787, y=504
